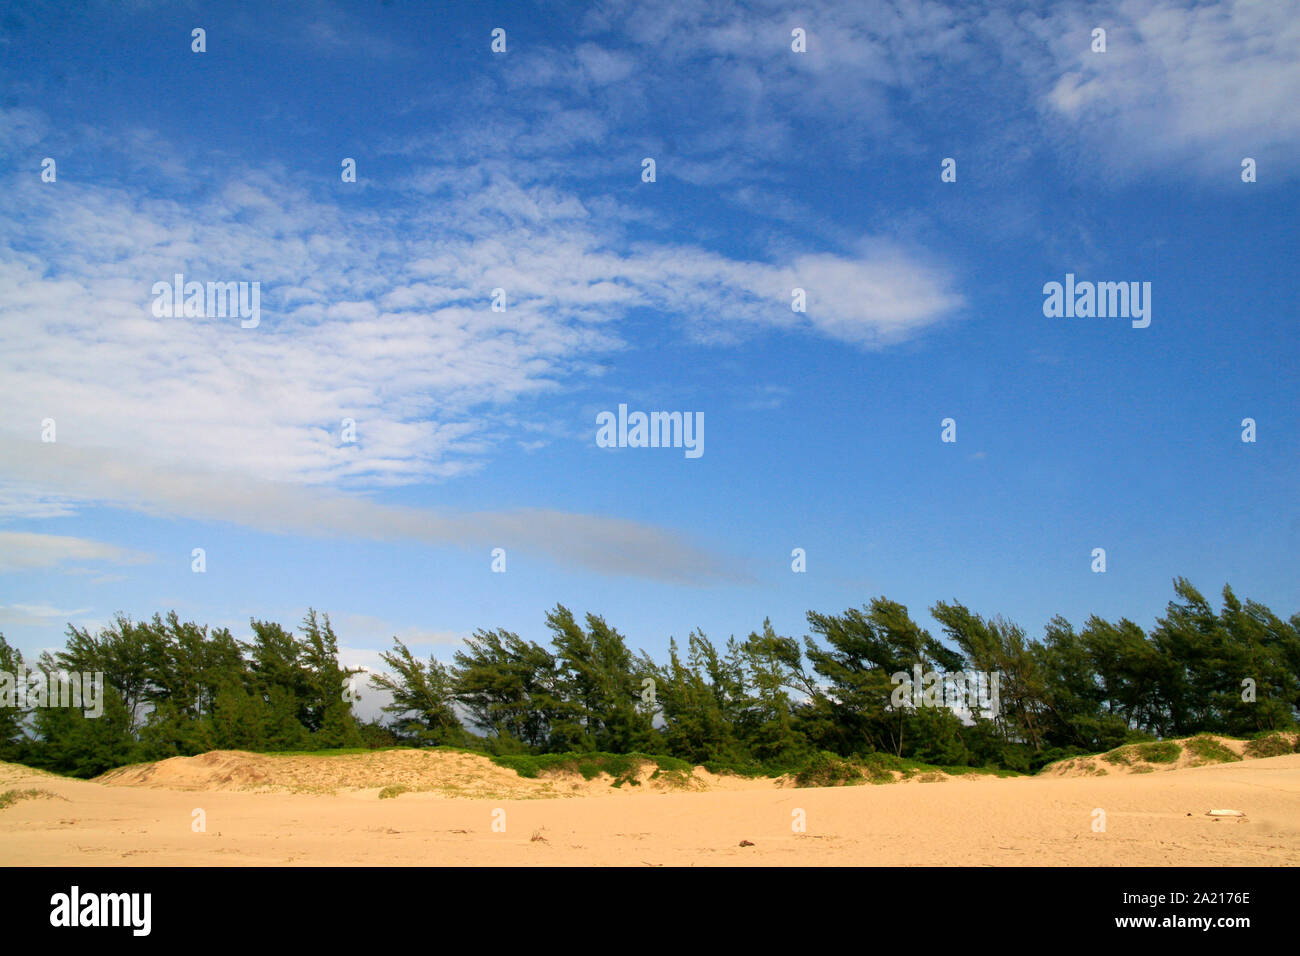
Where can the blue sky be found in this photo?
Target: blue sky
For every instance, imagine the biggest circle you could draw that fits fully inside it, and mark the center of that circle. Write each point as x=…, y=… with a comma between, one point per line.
x=522, y=171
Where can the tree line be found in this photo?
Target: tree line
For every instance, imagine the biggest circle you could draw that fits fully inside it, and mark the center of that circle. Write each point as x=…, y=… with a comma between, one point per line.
x=767, y=703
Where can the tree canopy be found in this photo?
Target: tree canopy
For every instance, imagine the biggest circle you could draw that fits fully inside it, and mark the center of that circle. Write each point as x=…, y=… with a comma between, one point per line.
x=767, y=703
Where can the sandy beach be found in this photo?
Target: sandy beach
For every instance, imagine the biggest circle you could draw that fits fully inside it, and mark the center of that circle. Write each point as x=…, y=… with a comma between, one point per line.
x=298, y=811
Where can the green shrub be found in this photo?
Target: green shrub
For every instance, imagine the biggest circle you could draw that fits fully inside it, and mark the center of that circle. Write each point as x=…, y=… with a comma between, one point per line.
x=1164, y=751
x=1270, y=745
x=1210, y=750
x=1121, y=756
x=825, y=769
x=740, y=768
x=622, y=767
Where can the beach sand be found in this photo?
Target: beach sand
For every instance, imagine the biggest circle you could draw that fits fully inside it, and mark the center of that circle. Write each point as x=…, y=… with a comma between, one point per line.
x=291, y=811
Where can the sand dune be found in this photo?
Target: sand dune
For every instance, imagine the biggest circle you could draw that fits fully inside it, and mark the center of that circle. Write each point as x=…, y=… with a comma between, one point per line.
x=1199, y=751
x=441, y=773
x=146, y=816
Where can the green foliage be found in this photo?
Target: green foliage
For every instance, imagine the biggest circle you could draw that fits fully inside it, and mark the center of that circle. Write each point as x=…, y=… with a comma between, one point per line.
x=1209, y=750
x=1271, y=745
x=1165, y=751
x=1122, y=757
x=83, y=746
x=596, y=687
x=422, y=694
x=852, y=708
x=1053, y=754
x=11, y=717
x=700, y=700
x=740, y=768
x=624, y=768
x=509, y=688
x=825, y=769
x=375, y=736
x=836, y=708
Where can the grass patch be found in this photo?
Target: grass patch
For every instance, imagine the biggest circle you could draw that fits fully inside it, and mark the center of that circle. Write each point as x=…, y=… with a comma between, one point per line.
x=1209, y=750
x=1273, y=744
x=1163, y=751
x=673, y=778
x=341, y=752
x=10, y=797
x=983, y=771
x=829, y=770
x=826, y=769
x=393, y=792
x=622, y=767
x=737, y=769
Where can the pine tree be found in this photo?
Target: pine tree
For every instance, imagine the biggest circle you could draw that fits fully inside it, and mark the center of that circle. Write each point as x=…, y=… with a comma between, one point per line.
x=12, y=716
x=422, y=697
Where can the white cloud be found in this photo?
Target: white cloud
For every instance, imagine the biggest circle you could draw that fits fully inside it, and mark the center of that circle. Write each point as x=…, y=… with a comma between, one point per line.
x=605, y=66
x=1189, y=85
x=381, y=316
x=1198, y=85
x=30, y=551
x=130, y=479
x=36, y=615
x=370, y=633
x=384, y=319
x=21, y=129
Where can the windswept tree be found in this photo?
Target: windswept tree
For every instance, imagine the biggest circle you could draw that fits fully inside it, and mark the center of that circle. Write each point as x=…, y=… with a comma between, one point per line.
x=597, y=681
x=507, y=685
x=120, y=652
x=996, y=646
x=774, y=669
x=279, y=676
x=176, y=687
x=422, y=696
x=1135, y=680
x=1231, y=672
x=852, y=711
x=1075, y=692
x=330, y=688
x=187, y=669
x=12, y=673
x=701, y=700
x=74, y=739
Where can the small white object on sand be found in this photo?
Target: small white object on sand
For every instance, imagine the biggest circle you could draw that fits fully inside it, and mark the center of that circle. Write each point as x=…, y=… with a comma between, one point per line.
x=1224, y=813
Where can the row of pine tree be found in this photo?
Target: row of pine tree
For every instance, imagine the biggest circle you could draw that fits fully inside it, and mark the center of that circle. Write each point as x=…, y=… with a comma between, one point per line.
x=768, y=703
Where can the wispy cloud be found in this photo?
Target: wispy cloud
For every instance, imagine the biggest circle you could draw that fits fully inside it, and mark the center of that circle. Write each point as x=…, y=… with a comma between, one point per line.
x=36, y=615
x=1188, y=86
x=381, y=317
x=129, y=480
x=368, y=632
x=29, y=551
x=1181, y=85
